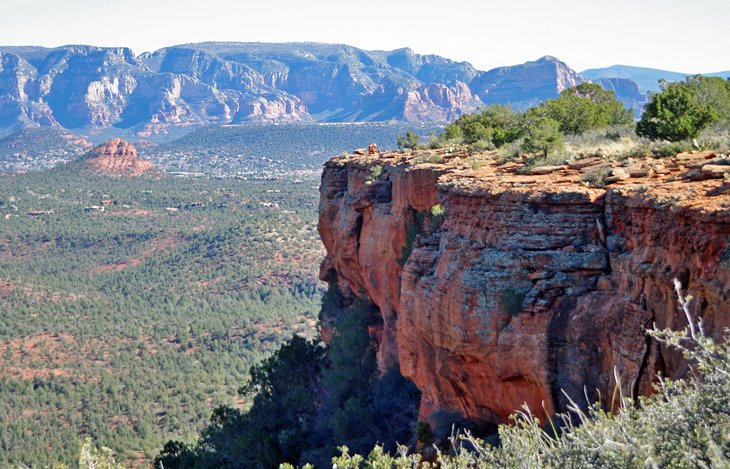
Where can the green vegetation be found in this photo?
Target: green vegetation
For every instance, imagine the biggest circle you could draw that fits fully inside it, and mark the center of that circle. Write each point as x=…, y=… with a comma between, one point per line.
x=423, y=433
x=265, y=150
x=91, y=457
x=247, y=150
x=672, y=148
x=587, y=107
x=588, y=120
x=476, y=162
x=413, y=230
x=375, y=172
x=276, y=427
x=428, y=158
x=682, y=110
x=409, y=141
x=134, y=312
x=308, y=401
x=496, y=124
x=36, y=148
x=131, y=324
x=438, y=213
x=510, y=301
x=539, y=130
x=424, y=221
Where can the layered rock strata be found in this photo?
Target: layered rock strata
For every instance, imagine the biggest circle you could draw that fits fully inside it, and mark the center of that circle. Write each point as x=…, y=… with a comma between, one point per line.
x=497, y=288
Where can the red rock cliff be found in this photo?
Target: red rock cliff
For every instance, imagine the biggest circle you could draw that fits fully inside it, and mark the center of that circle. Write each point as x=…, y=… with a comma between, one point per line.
x=527, y=284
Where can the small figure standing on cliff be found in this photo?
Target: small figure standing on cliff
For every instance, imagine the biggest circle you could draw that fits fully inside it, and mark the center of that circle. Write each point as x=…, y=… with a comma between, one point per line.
x=372, y=149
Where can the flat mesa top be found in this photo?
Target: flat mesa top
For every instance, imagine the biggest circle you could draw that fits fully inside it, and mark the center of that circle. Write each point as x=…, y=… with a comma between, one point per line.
x=697, y=181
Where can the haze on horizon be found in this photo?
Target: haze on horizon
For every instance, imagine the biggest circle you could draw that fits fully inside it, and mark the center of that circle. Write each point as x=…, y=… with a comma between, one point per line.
x=664, y=34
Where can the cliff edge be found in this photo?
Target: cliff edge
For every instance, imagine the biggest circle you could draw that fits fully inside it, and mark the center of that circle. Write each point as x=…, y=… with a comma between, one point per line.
x=497, y=288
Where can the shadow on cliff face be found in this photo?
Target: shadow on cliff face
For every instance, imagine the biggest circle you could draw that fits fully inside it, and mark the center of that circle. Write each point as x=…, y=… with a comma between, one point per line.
x=599, y=348
x=560, y=353
x=358, y=406
x=581, y=344
x=447, y=423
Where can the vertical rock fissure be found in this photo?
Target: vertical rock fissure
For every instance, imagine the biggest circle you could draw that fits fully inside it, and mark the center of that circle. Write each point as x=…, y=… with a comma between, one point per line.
x=644, y=361
x=605, y=227
x=358, y=232
x=557, y=344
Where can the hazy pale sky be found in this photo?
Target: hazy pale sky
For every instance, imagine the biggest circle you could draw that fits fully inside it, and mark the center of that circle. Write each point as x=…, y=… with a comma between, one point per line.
x=681, y=35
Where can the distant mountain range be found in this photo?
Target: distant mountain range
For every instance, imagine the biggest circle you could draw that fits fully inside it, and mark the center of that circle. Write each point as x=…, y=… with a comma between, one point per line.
x=646, y=78
x=96, y=88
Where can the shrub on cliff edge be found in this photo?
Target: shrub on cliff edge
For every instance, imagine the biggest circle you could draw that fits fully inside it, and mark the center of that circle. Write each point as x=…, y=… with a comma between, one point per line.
x=596, y=177
x=541, y=133
x=408, y=141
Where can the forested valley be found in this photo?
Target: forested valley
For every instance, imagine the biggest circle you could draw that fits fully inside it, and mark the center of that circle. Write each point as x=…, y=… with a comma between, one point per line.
x=129, y=309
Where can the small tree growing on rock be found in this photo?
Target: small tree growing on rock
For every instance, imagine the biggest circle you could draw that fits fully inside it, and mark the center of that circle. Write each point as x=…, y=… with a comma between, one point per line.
x=409, y=141
x=541, y=133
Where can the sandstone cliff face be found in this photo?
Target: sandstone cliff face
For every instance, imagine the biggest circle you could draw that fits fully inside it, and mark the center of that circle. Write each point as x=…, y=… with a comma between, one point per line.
x=16, y=89
x=439, y=103
x=526, y=285
x=86, y=85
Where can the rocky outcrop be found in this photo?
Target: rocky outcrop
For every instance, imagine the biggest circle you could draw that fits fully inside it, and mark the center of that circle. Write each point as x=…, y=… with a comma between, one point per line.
x=80, y=86
x=439, y=103
x=116, y=158
x=497, y=288
x=17, y=108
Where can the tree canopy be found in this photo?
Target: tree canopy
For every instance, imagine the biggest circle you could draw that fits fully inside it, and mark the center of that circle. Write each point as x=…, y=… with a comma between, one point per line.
x=585, y=107
x=682, y=110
